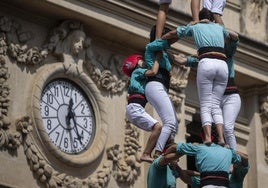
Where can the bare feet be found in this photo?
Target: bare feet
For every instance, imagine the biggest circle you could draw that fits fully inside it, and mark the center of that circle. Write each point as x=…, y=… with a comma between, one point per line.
x=146, y=158
x=208, y=143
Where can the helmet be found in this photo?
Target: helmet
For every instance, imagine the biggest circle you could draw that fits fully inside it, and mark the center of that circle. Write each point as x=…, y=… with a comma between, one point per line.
x=130, y=64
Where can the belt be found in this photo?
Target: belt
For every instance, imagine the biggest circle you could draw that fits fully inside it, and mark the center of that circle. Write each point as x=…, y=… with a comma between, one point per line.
x=140, y=96
x=137, y=98
x=216, y=55
x=212, y=52
x=219, y=178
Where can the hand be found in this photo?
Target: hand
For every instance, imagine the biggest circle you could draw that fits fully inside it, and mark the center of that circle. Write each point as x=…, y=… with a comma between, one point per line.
x=71, y=115
x=76, y=129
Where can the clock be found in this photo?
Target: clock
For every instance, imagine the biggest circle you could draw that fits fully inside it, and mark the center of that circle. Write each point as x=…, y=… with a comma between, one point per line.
x=68, y=116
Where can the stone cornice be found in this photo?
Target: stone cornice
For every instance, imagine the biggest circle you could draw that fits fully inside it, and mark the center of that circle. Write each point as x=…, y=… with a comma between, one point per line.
x=128, y=23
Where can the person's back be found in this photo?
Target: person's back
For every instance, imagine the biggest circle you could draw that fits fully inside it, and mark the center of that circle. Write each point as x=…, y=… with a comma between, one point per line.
x=209, y=158
x=208, y=34
x=213, y=161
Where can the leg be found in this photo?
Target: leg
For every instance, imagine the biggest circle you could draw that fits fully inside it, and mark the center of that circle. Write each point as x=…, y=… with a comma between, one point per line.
x=161, y=19
x=137, y=115
x=165, y=109
x=205, y=75
x=195, y=8
x=219, y=128
x=219, y=85
x=207, y=134
x=146, y=156
x=231, y=105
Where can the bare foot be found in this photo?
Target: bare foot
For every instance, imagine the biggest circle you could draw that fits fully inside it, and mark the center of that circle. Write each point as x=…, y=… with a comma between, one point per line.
x=208, y=143
x=146, y=158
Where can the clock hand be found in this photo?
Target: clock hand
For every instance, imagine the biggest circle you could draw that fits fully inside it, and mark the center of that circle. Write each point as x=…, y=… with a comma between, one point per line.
x=76, y=130
x=71, y=115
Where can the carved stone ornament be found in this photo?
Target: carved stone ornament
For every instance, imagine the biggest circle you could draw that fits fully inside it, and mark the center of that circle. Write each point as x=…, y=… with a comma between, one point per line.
x=256, y=9
x=70, y=43
x=46, y=174
x=16, y=46
x=126, y=169
x=264, y=119
x=9, y=139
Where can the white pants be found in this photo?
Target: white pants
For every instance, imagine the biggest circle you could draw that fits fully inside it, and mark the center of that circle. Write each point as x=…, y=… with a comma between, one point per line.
x=164, y=1
x=157, y=96
x=215, y=6
x=212, y=77
x=213, y=186
x=230, y=105
x=137, y=115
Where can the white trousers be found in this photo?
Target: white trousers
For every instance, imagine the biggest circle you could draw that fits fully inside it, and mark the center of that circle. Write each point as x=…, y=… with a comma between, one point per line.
x=212, y=77
x=157, y=96
x=137, y=115
x=230, y=105
x=164, y=1
x=215, y=6
x=213, y=186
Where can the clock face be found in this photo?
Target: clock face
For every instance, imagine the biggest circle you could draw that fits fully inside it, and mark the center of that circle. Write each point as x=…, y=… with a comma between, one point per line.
x=68, y=116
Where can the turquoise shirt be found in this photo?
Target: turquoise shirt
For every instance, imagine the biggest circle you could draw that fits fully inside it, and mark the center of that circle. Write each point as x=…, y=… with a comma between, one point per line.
x=160, y=176
x=151, y=52
x=205, y=34
x=195, y=181
x=238, y=175
x=230, y=49
x=210, y=158
x=236, y=178
x=137, y=81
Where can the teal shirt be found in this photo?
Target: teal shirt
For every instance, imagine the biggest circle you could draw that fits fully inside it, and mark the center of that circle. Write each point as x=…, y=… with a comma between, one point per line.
x=210, y=158
x=137, y=81
x=236, y=178
x=160, y=176
x=195, y=181
x=230, y=49
x=238, y=175
x=192, y=61
x=151, y=51
x=205, y=34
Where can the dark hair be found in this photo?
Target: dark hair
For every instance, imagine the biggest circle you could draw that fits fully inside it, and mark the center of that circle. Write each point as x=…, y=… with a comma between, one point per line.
x=206, y=14
x=153, y=31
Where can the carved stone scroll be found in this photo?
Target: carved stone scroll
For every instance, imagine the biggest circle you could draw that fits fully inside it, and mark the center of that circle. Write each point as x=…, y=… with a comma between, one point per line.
x=46, y=174
x=126, y=167
x=264, y=119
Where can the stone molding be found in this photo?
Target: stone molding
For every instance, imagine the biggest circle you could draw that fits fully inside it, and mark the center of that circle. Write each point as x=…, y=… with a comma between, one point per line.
x=264, y=120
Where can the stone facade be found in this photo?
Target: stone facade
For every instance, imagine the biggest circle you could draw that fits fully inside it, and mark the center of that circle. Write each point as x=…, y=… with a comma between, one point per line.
x=40, y=41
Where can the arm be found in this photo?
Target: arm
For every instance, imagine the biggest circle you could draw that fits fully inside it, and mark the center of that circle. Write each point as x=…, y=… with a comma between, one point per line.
x=171, y=35
x=153, y=71
x=157, y=45
x=233, y=35
x=170, y=155
x=244, y=159
x=217, y=18
x=181, y=59
x=186, y=175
